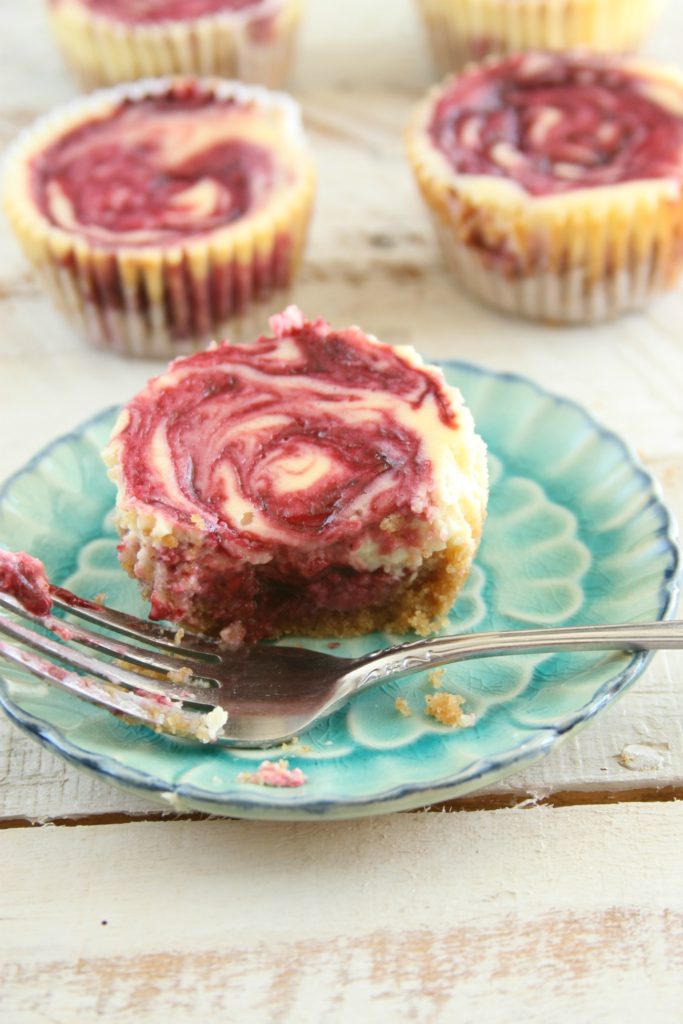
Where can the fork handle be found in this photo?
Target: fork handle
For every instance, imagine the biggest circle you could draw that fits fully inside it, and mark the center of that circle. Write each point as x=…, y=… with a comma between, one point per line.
x=445, y=650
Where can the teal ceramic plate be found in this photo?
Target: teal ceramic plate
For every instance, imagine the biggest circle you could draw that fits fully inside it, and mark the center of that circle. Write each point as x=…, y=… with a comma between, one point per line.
x=576, y=533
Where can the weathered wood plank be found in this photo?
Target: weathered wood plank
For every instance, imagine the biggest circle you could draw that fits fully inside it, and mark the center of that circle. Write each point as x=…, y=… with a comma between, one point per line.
x=492, y=916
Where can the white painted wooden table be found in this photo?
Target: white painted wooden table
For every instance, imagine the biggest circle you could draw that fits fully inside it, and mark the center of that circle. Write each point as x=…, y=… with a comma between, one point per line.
x=557, y=895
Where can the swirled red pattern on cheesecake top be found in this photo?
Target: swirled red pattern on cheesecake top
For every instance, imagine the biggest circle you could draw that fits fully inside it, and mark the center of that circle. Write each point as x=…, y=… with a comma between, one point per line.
x=553, y=123
x=150, y=11
x=156, y=170
x=305, y=437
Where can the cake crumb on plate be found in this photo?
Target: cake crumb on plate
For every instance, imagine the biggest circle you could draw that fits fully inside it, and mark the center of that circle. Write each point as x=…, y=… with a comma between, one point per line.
x=435, y=677
x=447, y=709
x=295, y=746
x=402, y=706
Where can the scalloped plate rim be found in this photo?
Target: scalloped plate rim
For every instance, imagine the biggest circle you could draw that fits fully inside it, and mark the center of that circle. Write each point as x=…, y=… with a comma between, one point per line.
x=299, y=807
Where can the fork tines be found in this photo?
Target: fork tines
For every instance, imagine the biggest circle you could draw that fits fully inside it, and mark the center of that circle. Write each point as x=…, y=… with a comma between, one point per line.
x=155, y=697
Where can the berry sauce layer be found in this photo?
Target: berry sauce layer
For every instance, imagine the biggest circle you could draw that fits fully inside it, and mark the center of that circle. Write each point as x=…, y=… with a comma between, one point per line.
x=554, y=123
x=155, y=171
x=142, y=12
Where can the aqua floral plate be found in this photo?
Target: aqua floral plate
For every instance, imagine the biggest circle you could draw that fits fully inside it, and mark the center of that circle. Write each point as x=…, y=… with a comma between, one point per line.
x=576, y=533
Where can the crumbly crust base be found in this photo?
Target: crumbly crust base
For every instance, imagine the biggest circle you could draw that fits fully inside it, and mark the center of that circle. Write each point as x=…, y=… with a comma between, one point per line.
x=420, y=606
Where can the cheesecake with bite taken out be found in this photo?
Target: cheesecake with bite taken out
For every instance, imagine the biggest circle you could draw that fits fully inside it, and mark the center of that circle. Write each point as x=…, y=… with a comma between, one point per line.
x=315, y=481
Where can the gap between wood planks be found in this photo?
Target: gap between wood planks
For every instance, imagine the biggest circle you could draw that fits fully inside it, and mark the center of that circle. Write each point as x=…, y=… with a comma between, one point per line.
x=494, y=802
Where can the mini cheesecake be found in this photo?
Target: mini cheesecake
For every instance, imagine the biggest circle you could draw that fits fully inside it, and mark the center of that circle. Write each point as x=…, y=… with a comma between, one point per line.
x=316, y=481
x=162, y=213
x=555, y=181
x=460, y=31
x=109, y=41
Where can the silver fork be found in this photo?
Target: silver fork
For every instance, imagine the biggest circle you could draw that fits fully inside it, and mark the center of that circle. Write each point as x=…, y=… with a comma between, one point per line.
x=270, y=693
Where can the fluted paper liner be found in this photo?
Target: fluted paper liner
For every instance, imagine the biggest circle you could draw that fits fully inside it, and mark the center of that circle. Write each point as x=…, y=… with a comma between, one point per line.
x=254, y=44
x=460, y=31
x=164, y=300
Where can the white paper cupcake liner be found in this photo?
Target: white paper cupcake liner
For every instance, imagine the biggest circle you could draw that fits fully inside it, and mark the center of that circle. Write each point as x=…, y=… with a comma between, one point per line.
x=253, y=45
x=570, y=296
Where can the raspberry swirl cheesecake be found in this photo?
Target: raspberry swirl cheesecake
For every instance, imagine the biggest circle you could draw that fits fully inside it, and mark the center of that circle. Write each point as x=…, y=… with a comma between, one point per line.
x=157, y=213
x=460, y=31
x=315, y=481
x=555, y=181
x=110, y=41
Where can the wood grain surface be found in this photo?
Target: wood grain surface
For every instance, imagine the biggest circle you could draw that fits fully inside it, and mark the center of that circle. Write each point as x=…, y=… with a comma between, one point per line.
x=502, y=916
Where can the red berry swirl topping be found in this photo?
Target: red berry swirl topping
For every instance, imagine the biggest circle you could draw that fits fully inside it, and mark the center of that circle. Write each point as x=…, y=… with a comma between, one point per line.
x=552, y=123
x=306, y=440
x=151, y=11
x=156, y=170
